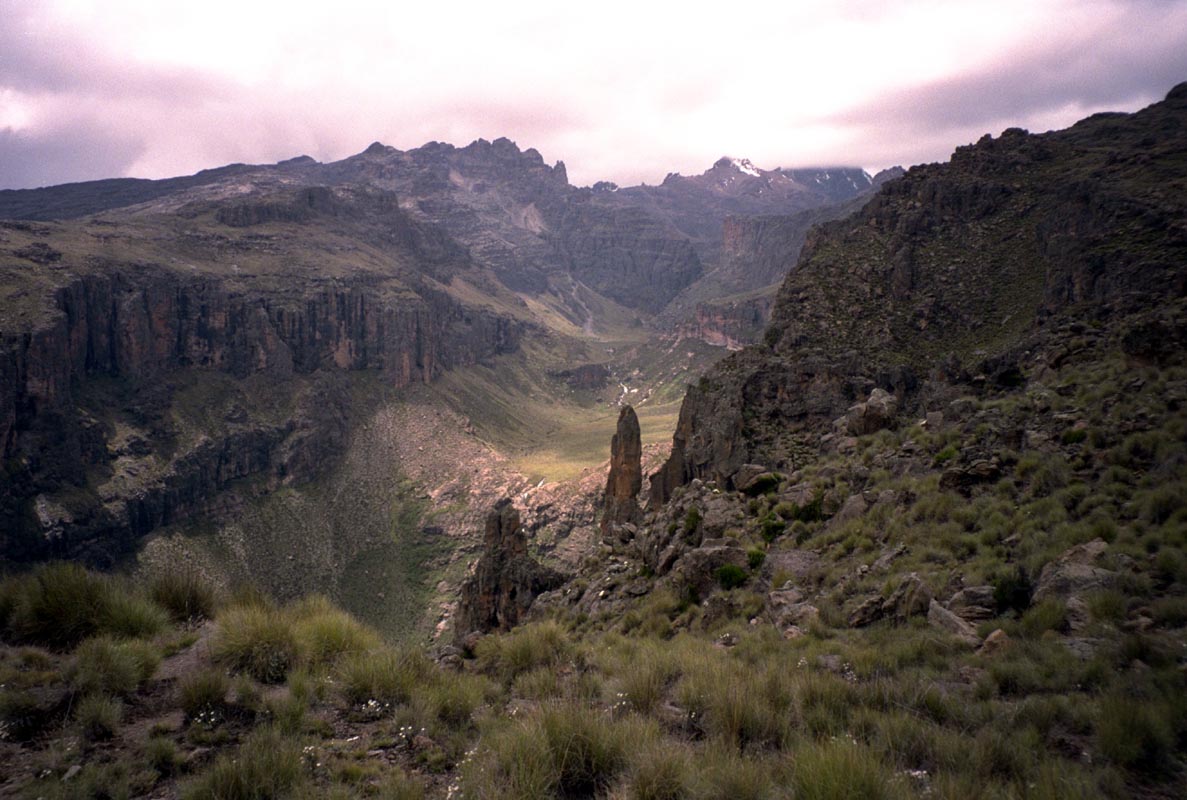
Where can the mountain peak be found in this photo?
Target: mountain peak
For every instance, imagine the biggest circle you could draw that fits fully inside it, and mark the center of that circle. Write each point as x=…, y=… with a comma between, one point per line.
x=743, y=165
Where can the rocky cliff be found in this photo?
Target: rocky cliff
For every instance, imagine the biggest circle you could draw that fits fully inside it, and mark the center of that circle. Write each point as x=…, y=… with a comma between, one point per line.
x=957, y=271
x=132, y=393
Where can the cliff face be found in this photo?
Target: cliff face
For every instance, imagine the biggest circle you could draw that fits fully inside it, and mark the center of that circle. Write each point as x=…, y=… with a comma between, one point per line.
x=731, y=323
x=956, y=271
x=144, y=327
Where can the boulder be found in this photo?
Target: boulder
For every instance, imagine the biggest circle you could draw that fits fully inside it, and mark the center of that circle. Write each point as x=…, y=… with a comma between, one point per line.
x=506, y=579
x=621, y=504
x=698, y=568
x=789, y=613
x=1075, y=573
x=994, y=643
x=910, y=598
x=876, y=413
x=974, y=604
x=945, y=620
x=852, y=508
x=981, y=470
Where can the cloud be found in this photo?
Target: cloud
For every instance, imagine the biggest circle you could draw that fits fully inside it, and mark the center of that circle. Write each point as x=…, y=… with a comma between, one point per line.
x=625, y=91
x=65, y=155
x=1130, y=57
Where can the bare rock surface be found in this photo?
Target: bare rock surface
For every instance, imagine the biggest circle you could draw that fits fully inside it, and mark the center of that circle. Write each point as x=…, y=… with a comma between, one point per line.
x=506, y=579
x=625, y=478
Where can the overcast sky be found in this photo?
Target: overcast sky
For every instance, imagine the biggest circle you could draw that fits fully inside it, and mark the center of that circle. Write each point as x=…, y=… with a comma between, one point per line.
x=624, y=91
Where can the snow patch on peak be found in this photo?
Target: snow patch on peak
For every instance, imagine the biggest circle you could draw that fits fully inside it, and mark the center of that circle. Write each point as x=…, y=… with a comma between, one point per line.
x=744, y=166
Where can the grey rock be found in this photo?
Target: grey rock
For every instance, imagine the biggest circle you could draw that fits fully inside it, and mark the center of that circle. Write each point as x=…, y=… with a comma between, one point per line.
x=974, y=604
x=1075, y=572
x=943, y=619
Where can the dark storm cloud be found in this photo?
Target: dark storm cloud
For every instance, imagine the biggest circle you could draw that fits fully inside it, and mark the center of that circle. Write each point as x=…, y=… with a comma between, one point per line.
x=64, y=155
x=86, y=104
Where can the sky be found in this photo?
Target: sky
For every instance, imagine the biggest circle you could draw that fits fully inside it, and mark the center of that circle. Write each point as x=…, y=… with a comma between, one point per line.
x=621, y=91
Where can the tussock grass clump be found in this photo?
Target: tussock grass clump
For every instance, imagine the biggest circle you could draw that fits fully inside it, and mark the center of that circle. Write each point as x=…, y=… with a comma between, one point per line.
x=661, y=771
x=258, y=640
x=385, y=677
x=58, y=605
x=22, y=717
x=257, y=637
x=1049, y=615
x=203, y=691
x=185, y=594
x=98, y=717
x=1136, y=734
x=841, y=769
x=103, y=665
x=161, y=754
x=723, y=773
x=400, y=786
x=327, y=633
x=647, y=677
x=540, y=644
x=563, y=751
x=267, y=765
x=737, y=704
x=130, y=614
x=454, y=697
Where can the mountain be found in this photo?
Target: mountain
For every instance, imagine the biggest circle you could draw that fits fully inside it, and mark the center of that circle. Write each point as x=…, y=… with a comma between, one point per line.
x=183, y=362
x=972, y=268
x=928, y=538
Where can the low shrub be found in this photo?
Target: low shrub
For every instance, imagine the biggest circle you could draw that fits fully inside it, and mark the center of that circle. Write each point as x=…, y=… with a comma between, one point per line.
x=764, y=484
x=771, y=527
x=755, y=557
x=1012, y=590
x=730, y=576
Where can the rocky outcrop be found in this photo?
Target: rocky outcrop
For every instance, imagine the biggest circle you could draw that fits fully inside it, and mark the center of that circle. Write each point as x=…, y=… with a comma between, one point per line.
x=621, y=503
x=137, y=326
x=586, y=377
x=729, y=324
x=910, y=598
x=968, y=263
x=943, y=619
x=974, y=604
x=505, y=580
x=874, y=414
x=1075, y=573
